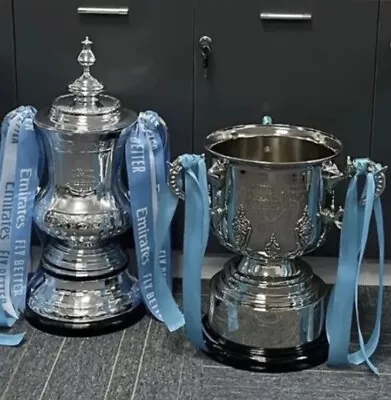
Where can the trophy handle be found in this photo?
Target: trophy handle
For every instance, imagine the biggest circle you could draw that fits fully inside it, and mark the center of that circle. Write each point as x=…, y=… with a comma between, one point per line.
x=217, y=194
x=216, y=176
x=174, y=170
x=217, y=172
x=333, y=176
x=332, y=215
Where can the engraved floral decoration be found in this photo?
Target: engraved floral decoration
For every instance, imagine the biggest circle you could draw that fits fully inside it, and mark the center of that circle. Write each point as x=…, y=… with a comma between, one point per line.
x=304, y=229
x=241, y=227
x=323, y=235
x=103, y=225
x=272, y=247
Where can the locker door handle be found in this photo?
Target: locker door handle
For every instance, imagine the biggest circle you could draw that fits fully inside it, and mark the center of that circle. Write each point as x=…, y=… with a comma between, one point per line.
x=103, y=10
x=266, y=16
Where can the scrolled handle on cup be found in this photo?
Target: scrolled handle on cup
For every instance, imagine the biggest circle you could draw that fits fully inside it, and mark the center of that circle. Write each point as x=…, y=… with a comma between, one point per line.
x=216, y=178
x=333, y=176
x=174, y=170
x=217, y=173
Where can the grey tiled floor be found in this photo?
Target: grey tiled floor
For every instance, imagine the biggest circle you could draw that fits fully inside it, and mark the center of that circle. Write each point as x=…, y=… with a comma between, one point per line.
x=146, y=362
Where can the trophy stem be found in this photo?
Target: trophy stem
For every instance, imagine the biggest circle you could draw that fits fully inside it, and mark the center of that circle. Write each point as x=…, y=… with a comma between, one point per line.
x=268, y=269
x=73, y=261
x=267, y=315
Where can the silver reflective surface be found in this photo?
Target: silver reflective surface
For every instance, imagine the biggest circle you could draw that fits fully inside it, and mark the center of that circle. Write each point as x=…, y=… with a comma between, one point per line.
x=268, y=204
x=83, y=207
x=84, y=200
x=266, y=311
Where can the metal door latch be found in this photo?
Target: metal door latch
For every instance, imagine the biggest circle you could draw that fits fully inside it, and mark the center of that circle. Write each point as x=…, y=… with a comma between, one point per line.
x=205, y=44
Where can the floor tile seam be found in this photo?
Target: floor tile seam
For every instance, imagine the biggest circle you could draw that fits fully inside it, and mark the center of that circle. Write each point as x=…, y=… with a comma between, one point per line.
x=52, y=369
x=141, y=361
x=114, y=366
x=18, y=363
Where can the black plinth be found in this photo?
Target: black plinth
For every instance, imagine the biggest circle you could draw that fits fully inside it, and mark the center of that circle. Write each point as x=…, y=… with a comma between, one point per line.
x=61, y=328
x=254, y=359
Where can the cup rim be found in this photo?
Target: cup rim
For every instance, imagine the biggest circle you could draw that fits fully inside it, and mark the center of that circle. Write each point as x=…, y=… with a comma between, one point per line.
x=283, y=130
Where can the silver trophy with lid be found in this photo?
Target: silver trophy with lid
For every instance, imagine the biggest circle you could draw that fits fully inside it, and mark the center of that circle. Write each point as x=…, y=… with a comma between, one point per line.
x=82, y=285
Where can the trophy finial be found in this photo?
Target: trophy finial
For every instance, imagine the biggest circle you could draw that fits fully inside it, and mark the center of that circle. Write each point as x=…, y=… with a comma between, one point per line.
x=86, y=85
x=86, y=57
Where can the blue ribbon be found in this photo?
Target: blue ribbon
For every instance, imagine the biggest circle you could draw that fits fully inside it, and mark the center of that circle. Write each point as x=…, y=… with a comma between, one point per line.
x=196, y=239
x=21, y=164
x=196, y=235
x=344, y=296
x=147, y=152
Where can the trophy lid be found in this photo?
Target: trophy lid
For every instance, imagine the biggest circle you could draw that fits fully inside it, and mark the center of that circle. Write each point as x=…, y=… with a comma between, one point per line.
x=85, y=109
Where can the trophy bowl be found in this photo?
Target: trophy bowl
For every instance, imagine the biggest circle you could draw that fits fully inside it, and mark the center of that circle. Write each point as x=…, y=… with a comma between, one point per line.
x=271, y=201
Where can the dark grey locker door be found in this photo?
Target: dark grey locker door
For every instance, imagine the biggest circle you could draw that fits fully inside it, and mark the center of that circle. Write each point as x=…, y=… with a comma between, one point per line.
x=7, y=59
x=317, y=73
x=145, y=58
x=381, y=138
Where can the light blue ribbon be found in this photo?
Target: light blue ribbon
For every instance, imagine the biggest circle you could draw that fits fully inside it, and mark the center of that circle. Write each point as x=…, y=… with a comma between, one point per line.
x=196, y=235
x=147, y=153
x=21, y=161
x=197, y=222
x=344, y=296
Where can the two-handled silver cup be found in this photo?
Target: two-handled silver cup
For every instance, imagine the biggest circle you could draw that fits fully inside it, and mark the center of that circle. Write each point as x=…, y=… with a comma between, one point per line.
x=272, y=200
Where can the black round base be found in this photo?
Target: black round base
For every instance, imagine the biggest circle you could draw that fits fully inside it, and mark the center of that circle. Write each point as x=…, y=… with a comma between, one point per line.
x=109, y=325
x=254, y=359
